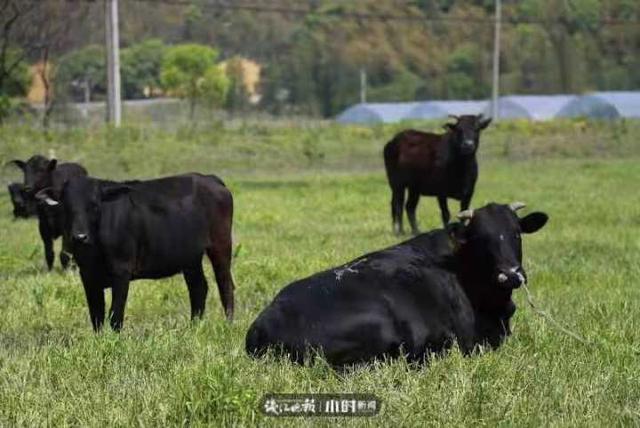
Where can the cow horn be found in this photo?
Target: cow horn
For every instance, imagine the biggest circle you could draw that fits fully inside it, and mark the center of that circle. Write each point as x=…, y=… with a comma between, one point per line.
x=465, y=215
x=515, y=206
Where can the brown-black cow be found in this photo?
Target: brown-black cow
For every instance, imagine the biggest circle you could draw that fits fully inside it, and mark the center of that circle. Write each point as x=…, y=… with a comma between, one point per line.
x=430, y=164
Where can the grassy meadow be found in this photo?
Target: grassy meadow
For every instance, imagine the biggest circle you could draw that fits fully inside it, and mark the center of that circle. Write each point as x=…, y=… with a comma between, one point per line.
x=308, y=197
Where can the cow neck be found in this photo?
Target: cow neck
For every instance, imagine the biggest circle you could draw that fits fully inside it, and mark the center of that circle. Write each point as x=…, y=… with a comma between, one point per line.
x=480, y=287
x=459, y=163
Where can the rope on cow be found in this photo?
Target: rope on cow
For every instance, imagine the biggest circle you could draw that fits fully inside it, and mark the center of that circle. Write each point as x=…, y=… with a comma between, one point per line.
x=549, y=318
x=545, y=315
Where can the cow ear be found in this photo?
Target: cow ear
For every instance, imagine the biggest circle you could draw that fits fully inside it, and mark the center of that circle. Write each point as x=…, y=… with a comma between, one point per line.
x=112, y=191
x=46, y=195
x=533, y=222
x=52, y=164
x=449, y=126
x=20, y=164
x=456, y=231
x=483, y=123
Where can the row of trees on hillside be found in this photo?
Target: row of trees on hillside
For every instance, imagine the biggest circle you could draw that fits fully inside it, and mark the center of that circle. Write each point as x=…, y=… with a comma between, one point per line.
x=427, y=49
x=312, y=51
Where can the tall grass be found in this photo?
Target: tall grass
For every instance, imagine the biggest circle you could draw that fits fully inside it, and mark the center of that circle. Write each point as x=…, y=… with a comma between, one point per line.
x=263, y=147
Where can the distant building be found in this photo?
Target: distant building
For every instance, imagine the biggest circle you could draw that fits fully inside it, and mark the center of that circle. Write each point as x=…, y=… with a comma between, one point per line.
x=604, y=105
x=376, y=113
x=532, y=107
x=250, y=77
x=596, y=105
x=442, y=109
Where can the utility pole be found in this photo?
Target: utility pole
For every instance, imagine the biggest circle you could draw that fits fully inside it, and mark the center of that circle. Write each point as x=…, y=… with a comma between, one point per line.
x=363, y=86
x=496, y=63
x=114, y=105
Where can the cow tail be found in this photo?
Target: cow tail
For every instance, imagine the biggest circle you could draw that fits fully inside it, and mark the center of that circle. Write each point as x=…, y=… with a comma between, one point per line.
x=391, y=155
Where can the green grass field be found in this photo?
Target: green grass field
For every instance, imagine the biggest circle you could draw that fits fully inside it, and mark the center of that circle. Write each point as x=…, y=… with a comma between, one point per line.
x=308, y=198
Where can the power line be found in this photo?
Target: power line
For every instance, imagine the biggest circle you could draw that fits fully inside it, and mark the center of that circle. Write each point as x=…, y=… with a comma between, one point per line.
x=219, y=5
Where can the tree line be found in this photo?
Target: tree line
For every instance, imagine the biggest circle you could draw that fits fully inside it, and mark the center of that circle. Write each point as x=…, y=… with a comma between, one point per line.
x=313, y=51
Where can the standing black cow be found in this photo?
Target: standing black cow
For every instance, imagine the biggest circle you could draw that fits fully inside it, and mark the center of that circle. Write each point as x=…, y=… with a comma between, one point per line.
x=40, y=173
x=415, y=298
x=148, y=229
x=444, y=166
x=24, y=205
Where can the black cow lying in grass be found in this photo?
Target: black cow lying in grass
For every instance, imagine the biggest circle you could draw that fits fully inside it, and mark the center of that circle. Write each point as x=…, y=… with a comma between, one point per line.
x=444, y=166
x=148, y=229
x=40, y=173
x=24, y=205
x=415, y=298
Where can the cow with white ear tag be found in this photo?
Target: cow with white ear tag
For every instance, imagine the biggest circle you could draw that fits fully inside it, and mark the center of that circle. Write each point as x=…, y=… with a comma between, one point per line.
x=124, y=231
x=42, y=173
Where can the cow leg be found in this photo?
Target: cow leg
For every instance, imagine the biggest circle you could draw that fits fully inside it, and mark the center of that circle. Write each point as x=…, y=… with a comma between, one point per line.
x=412, y=204
x=65, y=253
x=220, y=256
x=119, y=293
x=397, y=201
x=64, y=259
x=444, y=210
x=48, y=252
x=94, y=292
x=465, y=202
x=198, y=288
x=47, y=241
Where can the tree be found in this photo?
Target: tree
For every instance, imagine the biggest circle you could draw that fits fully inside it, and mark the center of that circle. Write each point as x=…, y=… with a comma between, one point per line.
x=15, y=83
x=462, y=66
x=189, y=71
x=12, y=58
x=562, y=20
x=14, y=75
x=214, y=86
x=141, y=66
x=82, y=73
x=39, y=29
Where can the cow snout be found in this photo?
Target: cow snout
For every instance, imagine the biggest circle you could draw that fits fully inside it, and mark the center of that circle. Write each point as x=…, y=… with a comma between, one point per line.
x=468, y=146
x=81, y=237
x=512, y=278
